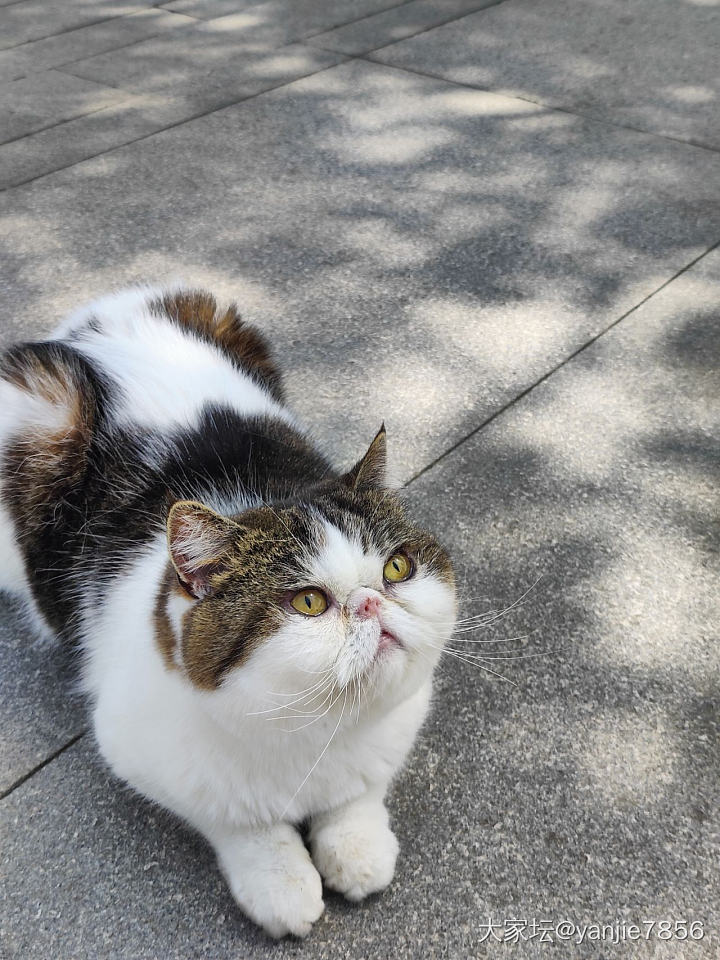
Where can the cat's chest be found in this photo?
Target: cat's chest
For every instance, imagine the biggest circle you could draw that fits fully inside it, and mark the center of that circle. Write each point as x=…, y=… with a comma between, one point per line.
x=272, y=775
x=257, y=774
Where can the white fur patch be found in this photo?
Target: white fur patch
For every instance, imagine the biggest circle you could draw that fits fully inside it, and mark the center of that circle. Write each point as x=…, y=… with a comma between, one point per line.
x=354, y=848
x=176, y=607
x=167, y=374
x=342, y=565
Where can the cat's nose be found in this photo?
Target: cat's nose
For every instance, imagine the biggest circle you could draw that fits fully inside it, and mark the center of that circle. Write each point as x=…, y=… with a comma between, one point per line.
x=365, y=603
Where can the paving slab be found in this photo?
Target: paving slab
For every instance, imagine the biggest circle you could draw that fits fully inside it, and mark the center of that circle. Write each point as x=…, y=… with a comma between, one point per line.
x=35, y=19
x=205, y=63
x=372, y=213
x=140, y=115
x=395, y=24
x=648, y=64
x=39, y=713
x=48, y=98
x=283, y=20
x=587, y=793
x=87, y=41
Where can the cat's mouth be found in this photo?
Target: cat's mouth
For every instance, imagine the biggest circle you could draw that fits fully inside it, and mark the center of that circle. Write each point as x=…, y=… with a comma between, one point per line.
x=387, y=641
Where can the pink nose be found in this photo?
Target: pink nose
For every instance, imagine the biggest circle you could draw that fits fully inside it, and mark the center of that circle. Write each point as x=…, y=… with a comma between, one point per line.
x=365, y=603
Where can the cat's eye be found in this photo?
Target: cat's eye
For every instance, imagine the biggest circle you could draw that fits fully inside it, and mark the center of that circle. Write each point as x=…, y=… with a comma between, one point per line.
x=398, y=568
x=310, y=602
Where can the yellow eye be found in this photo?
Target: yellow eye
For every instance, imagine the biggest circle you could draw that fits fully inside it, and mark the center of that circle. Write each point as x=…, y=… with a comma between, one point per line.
x=310, y=602
x=398, y=568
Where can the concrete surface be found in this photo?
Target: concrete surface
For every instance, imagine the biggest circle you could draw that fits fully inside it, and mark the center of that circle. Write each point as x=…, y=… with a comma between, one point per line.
x=528, y=296
x=394, y=24
x=649, y=64
x=46, y=99
x=22, y=22
x=210, y=55
x=38, y=712
x=87, y=41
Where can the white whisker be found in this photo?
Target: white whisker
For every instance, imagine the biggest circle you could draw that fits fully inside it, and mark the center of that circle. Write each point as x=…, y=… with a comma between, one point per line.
x=315, y=717
x=466, y=659
x=322, y=754
x=302, y=695
x=523, y=636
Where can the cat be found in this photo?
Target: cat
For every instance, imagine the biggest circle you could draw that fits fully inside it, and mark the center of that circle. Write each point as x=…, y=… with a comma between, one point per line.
x=258, y=631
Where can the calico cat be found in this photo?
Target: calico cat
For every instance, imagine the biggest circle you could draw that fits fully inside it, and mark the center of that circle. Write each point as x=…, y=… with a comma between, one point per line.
x=258, y=631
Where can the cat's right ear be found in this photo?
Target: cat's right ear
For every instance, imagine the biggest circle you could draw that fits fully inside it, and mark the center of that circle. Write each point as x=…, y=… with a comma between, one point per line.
x=199, y=541
x=370, y=472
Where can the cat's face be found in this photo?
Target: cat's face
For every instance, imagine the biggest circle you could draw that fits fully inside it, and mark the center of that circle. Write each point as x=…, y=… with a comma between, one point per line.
x=335, y=600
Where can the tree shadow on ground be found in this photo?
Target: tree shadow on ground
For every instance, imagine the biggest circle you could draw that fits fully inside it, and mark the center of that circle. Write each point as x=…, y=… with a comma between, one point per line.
x=597, y=781
x=423, y=254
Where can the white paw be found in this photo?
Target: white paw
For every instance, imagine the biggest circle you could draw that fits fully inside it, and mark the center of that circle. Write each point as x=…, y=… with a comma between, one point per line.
x=282, y=893
x=356, y=857
x=290, y=903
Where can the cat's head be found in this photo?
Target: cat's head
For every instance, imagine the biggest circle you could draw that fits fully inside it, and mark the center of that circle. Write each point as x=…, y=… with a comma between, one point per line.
x=334, y=595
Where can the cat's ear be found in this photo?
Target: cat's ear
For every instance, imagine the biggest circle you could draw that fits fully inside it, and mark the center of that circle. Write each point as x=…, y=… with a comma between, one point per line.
x=199, y=541
x=370, y=472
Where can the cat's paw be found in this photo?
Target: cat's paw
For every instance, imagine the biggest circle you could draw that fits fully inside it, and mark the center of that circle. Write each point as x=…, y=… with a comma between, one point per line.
x=356, y=857
x=289, y=905
x=288, y=902
x=278, y=888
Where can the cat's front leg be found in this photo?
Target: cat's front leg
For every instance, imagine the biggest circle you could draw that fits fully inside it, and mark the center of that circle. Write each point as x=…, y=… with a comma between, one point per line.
x=354, y=848
x=272, y=877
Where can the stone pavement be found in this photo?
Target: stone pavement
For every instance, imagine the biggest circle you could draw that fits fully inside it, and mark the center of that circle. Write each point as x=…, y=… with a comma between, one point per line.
x=494, y=226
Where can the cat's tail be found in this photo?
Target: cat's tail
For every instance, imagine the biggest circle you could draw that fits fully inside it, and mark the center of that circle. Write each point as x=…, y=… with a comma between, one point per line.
x=48, y=406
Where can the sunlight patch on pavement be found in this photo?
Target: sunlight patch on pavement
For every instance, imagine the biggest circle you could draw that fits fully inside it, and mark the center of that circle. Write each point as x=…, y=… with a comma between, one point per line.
x=627, y=759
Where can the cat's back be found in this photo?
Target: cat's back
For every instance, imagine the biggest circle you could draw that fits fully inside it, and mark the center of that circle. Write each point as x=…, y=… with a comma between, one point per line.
x=169, y=353
x=140, y=397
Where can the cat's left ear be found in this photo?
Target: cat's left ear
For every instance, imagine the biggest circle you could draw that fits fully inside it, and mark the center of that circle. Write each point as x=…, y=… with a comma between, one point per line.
x=370, y=472
x=199, y=541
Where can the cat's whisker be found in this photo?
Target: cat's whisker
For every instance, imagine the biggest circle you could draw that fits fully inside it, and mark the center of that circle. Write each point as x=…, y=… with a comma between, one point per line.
x=470, y=652
x=317, y=687
x=469, y=629
x=521, y=656
x=454, y=639
x=485, y=619
x=463, y=599
x=492, y=616
x=494, y=640
x=297, y=715
x=322, y=754
x=466, y=659
x=328, y=689
x=299, y=693
x=315, y=717
x=360, y=689
x=479, y=621
x=354, y=686
x=479, y=616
